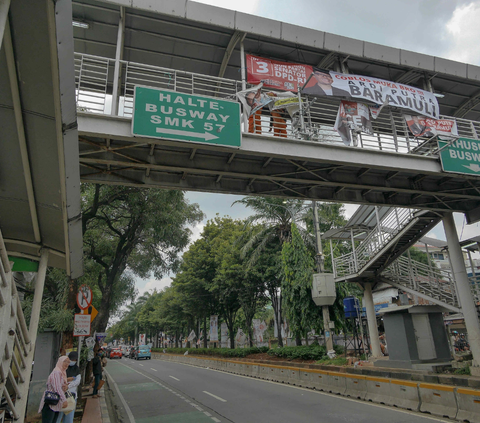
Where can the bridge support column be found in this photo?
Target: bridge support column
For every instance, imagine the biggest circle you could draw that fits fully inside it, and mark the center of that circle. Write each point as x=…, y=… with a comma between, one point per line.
x=463, y=289
x=372, y=320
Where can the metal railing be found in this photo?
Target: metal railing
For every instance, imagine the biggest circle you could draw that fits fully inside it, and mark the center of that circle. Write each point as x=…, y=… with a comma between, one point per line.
x=17, y=342
x=435, y=283
x=390, y=225
x=94, y=85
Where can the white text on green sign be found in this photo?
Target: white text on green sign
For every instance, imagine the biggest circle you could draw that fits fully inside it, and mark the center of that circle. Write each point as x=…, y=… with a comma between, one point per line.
x=172, y=115
x=461, y=156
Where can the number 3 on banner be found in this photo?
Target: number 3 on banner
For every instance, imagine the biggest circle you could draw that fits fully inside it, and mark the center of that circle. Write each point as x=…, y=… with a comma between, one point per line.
x=261, y=67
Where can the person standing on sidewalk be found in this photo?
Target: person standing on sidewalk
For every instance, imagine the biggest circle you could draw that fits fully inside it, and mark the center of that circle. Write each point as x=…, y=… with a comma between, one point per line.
x=97, y=372
x=56, y=382
x=73, y=378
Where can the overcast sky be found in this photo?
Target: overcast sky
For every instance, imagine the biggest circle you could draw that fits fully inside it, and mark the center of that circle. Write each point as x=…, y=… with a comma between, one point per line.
x=444, y=28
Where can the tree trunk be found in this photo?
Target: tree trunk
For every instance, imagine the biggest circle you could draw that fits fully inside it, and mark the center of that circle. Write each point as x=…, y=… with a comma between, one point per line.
x=205, y=343
x=298, y=340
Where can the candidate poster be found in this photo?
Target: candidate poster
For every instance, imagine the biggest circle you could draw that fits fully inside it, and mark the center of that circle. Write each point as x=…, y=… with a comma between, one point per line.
x=320, y=82
x=241, y=337
x=192, y=336
x=213, y=328
x=253, y=99
x=421, y=126
x=283, y=76
x=352, y=116
x=142, y=339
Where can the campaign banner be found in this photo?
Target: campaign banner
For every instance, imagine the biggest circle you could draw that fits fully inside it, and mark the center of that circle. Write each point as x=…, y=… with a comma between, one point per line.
x=352, y=116
x=283, y=76
x=241, y=337
x=142, y=338
x=192, y=336
x=421, y=126
x=213, y=328
x=224, y=333
x=259, y=327
x=287, y=76
x=253, y=99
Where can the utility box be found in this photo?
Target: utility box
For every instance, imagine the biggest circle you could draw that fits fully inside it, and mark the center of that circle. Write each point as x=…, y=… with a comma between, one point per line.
x=323, y=289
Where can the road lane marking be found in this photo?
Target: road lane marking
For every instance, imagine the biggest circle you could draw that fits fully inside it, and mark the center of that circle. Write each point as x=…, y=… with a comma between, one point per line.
x=214, y=396
x=140, y=364
x=175, y=378
x=125, y=405
x=207, y=414
x=216, y=420
x=151, y=368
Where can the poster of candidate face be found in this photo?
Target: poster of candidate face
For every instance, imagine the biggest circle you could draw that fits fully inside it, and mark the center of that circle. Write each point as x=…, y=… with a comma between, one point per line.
x=253, y=99
x=352, y=116
x=213, y=328
x=421, y=126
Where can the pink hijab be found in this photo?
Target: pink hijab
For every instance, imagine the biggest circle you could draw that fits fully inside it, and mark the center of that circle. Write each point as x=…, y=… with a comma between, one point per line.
x=60, y=367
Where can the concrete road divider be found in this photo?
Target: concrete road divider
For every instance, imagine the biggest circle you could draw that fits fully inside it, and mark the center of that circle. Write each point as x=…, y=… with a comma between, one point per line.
x=320, y=380
x=378, y=390
x=355, y=386
x=336, y=383
x=468, y=402
x=438, y=400
x=405, y=394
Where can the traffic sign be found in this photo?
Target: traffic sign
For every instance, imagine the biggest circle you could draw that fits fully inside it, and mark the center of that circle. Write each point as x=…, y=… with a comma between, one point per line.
x=460, y=156
x=84, y=297
x=185, y=117
x=81, y=325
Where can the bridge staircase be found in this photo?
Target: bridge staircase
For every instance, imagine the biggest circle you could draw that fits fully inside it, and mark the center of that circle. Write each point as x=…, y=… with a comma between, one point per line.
x=390, y=233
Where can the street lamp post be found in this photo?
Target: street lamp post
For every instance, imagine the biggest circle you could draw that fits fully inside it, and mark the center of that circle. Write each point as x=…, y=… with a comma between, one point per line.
x=320, y=262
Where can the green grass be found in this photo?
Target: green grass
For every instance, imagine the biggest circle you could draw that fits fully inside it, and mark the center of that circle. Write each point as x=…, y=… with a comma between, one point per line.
x=339, y=361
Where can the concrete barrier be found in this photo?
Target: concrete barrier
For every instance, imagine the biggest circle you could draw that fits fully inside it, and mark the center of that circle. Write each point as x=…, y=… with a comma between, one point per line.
x=336, y=383
x=378, y=390
x=405, y=394
x=306, y=378
x=355, y=386
x=468, y=402
x=438, y=400
x=320, y=380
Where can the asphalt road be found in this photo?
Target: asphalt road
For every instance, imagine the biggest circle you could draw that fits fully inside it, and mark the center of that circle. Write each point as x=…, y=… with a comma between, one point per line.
x=156, y=391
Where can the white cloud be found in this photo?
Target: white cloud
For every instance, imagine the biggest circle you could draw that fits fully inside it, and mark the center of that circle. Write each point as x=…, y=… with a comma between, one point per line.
x=464, y=33
x=151, y=284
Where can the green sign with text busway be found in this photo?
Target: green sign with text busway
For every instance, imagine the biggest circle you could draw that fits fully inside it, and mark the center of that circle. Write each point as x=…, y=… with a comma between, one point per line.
x=185, y=117
x=460, y=156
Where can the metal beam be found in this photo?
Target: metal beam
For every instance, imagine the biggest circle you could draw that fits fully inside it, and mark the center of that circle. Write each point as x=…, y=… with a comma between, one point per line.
x=118, y=58
x=4, y=6
x=468, y=105
x=238, y=36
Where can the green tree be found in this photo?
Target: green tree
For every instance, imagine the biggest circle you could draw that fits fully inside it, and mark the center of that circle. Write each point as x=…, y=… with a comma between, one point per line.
x=301, y=311
x=142, y=230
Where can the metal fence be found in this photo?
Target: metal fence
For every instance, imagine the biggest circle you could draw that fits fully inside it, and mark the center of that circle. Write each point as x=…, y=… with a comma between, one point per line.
x=94, y=84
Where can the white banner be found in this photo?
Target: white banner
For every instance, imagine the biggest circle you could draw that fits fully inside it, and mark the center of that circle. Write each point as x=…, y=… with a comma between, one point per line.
x=352, y=116
x=142, y=338
x=224, y=332
x=213, y=328
x=241, y=337
x=191, y=337
x=372, y=90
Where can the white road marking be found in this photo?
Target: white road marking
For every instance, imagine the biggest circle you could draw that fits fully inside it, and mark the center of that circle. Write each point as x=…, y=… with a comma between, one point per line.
x=151, y=368
x=214, y=396
x=175, y=378
x=140, y=364
x=127, y=408
x=215, y=419
x=207, y=414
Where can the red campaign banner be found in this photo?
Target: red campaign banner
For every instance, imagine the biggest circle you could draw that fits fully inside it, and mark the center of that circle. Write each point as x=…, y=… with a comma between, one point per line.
x=278, y=75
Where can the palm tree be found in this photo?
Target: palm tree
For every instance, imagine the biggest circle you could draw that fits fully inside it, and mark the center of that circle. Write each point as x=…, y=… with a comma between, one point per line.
x=268, y=229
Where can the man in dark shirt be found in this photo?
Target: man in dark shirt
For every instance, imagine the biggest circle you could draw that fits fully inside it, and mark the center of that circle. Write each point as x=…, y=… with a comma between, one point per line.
x=97, y=371
x=324, y=86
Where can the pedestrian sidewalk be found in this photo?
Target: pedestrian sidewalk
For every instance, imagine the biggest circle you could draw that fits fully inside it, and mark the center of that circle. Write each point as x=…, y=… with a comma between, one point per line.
x=96, y=410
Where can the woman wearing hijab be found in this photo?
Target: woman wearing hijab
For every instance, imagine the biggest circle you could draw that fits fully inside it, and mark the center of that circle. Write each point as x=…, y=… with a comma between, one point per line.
x=56, y=382
x=97, y=372
x=73, y=379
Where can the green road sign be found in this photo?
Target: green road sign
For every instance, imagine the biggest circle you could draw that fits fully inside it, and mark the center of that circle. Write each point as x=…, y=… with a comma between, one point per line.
x=185, y=117
x=461, y=156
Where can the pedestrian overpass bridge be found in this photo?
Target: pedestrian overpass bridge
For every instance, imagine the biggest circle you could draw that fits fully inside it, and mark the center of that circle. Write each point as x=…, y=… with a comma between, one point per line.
x=66, y=109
